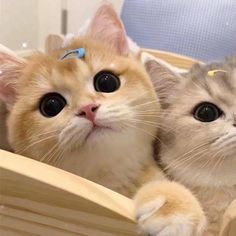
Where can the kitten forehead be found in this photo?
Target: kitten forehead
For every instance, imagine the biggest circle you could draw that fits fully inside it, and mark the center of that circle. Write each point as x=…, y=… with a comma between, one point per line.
x=221, y=86
x=43, y=65
x=196, y=152
x=48, y=72
x=99, y=55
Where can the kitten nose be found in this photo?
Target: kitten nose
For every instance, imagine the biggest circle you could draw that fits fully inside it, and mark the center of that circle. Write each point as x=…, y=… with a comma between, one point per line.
x=88, y=111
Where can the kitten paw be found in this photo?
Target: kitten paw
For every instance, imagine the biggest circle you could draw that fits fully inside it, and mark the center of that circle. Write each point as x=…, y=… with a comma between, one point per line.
x=168, y=209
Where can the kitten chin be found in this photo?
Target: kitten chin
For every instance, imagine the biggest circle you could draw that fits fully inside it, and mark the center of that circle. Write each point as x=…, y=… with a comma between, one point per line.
x=104, y=162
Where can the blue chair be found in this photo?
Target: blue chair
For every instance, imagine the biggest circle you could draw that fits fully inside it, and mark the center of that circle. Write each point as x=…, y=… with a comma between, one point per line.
x=203, y=29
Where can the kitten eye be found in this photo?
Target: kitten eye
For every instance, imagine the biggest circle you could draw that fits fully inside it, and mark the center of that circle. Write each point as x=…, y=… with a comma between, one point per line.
x=52, y=104
x=106, y=82
x=207, y=112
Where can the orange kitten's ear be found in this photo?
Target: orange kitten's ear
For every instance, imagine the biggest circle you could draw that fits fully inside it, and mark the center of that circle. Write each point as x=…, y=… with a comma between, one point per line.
x=11, y=67
x=107, y=27
x=53, y=42
x=164, y=76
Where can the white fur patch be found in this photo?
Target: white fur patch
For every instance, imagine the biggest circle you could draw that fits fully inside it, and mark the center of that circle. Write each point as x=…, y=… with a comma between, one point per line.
x=133, y=47
x=176, y=225
x=67, y=40
x=148, y=209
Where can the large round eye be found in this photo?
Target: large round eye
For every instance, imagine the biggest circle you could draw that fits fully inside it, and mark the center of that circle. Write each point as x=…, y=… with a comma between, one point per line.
x=106, y=82
x=52, y=104
x=207, y=112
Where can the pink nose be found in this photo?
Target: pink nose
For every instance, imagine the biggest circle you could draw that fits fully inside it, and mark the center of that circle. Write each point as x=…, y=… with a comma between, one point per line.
x=88, y=111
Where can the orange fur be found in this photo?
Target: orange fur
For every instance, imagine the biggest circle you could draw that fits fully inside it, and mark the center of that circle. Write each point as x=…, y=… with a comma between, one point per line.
x=174, y=201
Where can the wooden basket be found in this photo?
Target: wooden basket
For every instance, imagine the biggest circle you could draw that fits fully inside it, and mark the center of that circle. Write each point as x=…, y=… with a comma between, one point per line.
x=38, y=199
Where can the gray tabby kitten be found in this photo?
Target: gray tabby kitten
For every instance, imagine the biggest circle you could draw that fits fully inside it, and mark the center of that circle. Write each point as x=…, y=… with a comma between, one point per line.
x=198, y=149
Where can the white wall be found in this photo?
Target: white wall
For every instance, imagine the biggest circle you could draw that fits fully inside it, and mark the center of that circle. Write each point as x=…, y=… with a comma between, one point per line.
x=49, y=19
x=30, y=21
x=18, y=23
x=80, y=10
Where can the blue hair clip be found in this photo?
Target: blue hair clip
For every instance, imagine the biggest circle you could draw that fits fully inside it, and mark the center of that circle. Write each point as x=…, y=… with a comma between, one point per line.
x=75, y=53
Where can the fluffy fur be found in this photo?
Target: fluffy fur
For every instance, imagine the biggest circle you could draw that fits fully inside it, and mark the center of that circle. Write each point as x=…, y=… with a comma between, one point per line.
x=200, y=155
x=118, y=154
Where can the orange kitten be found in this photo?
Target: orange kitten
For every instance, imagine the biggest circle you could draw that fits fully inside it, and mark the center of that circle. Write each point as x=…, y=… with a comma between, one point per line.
x=97, y=116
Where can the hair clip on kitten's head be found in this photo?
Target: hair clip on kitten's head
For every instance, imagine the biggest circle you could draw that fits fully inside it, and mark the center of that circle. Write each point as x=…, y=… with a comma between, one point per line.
x=74, y=53
x=212, y=73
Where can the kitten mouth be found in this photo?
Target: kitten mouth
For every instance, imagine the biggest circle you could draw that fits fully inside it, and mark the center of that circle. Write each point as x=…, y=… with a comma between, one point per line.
x=97, y=129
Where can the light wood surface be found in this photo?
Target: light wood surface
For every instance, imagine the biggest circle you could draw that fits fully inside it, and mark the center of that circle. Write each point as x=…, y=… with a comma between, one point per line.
x=180, y=61
x=38, y=199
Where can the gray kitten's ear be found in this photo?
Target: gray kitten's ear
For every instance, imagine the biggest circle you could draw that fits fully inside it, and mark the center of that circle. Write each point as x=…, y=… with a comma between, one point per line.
x=165, y=77
x=53, y=43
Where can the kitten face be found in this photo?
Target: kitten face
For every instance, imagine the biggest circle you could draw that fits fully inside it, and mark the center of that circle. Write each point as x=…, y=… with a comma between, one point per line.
x=100, y=106
x=120, y=114
x=199, y=125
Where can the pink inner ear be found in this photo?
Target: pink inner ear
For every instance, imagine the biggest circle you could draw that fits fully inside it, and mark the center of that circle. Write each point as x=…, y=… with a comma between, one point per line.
x=107, y=27
x=7, y=94
x=10, y=70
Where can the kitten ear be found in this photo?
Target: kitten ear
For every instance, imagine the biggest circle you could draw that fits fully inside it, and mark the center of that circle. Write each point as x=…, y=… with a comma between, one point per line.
x=11, y=67
x=107, y=27
x=165, y=77
x=53, y=43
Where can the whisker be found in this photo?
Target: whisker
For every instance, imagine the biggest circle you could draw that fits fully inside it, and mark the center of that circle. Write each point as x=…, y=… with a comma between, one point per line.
x=152, y=124
x=186, y=168
x=34, y=143
x=32, y=138
x=48, y=153
x=52, y=158
x=215, y=167
x=181, y=162
x=59, y=158
x=148, y=133
x=145, y=104
x=181, y=158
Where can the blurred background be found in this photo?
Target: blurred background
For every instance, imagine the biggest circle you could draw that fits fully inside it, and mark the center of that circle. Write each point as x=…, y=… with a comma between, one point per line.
x=24, y=24
x=202, y=29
